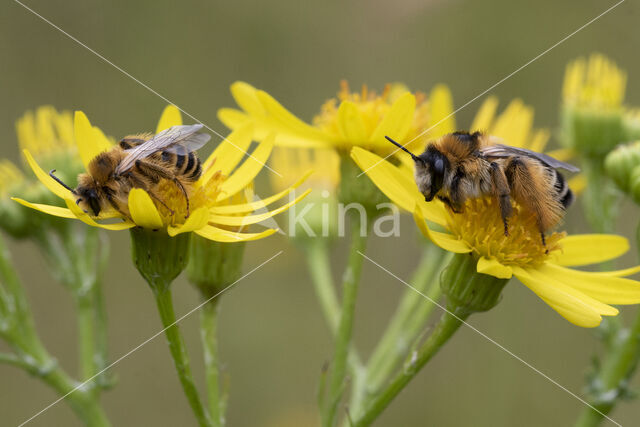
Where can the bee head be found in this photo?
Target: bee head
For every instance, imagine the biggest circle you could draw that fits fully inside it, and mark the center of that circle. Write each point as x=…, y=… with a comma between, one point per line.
x=431, y=167
x=89, y=196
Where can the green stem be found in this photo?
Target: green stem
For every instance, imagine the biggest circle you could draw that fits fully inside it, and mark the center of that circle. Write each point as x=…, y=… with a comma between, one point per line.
x=86, y=336
x=318, y=259
x=408, y=320
x=345, y=326
x=33, y=356
x=320, y=267
x=179, y=353
x=208, y=335
x=445, y=328
x=467, y=292
x=617, y=368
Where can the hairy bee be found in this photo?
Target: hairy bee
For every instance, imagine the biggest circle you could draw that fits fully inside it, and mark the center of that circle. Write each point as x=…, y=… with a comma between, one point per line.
x=465, y=165
x=140, y=161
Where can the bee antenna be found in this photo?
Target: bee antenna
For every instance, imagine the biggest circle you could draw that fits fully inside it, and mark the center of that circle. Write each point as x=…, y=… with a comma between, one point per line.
x=400, y=146
x=59, y=181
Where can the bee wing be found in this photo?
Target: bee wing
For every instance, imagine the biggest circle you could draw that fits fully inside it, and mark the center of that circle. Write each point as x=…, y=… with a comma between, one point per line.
x=177, y=139
x=503, y=151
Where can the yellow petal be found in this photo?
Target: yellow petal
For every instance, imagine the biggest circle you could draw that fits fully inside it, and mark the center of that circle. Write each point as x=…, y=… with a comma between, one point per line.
x=198, y=219
x=397, y=184
x=219, y=235
x=441, y=117
x=258, y=204
x=48, y=209
x=280, y=116
x=619, y=273
x=539, y=141
x=571, y=304
x=238, y=221
x=608, y=289
x=44, y=178
x=90, y=140
x=232, y=118
x=246, y=96
x=143, y=211
x=84, y=217
x=493, y=268
x=446, y=241
x=248, y=170
x=397, y=121
x=583, y=249
x=485, y=115
x=228, y=154
x=562, y=154
x=578, y=183
x=350, y=122
x=170, y=117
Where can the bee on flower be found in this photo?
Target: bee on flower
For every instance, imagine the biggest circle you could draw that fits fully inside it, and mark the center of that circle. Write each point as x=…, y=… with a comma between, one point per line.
x=191, y=197
x=579, y=296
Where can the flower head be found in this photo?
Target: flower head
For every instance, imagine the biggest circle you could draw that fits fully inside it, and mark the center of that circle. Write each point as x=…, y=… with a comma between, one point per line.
x=581, y=297
x=360, y=118
x=219, y=206
x=593, y=116
x=47, y=133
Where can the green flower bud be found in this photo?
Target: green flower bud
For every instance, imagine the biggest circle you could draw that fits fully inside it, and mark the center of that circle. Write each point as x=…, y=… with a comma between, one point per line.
x=592, y=132
x=158, y=257
x=621, y=162
x=214, y=265
x=467, y=290
x=358, y=189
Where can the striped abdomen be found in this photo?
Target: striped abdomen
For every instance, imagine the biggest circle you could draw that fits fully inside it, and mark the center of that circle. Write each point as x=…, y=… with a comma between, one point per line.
x=182, y=164
x=563, y=192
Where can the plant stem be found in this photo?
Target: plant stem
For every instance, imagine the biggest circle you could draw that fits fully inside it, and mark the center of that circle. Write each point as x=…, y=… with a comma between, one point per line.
x=179, y=353
x=208, y=335
x=408, y=320
x=345, y=327
x=318, y=259
x=617, y=368
x=445, y=328
x=33, y=356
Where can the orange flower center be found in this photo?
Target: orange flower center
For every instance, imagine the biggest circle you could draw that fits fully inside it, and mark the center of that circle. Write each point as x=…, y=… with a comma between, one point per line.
x=480, y=226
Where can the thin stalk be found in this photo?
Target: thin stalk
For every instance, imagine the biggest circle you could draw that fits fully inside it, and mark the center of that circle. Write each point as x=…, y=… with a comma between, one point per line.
x=209, y=338
x=320, y=267
x=179, y=353
x=408, y=320
x=616, y=371
x=445, y=328
x=345, y=326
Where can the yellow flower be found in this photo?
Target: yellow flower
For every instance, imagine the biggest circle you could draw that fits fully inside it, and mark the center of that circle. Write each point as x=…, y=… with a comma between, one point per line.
x=291, y=163
x=581, y=297
x=352, y=119
x=593, y=117
x=215, y=214
x=595, y=83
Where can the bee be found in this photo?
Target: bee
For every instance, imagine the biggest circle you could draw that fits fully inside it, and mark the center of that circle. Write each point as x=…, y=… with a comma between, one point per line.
x=464, y=165
x=140, y=161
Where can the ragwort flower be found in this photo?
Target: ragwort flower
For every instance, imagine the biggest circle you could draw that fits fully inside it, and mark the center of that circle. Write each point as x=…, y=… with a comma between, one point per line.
x=352, y=119
x=579, y=296
x=219, y=211
x=48, y=134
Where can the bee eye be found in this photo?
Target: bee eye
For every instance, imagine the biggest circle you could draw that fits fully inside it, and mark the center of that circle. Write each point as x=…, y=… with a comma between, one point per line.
x=94, y=205
x=438, y=166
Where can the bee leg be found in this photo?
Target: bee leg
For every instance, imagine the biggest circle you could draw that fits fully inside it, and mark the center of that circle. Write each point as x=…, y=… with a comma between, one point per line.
x=140, y=184
x=152, y=171
x=455, y=208
x=502, y=192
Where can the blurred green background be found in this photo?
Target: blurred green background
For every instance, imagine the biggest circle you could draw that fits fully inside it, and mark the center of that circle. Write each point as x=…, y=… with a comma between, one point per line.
x=273, y=338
